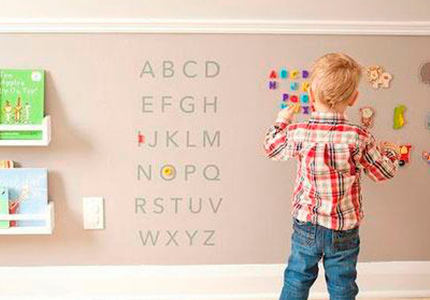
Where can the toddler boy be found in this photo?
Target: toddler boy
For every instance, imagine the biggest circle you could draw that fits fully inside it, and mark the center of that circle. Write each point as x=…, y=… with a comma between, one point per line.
x=331, y=152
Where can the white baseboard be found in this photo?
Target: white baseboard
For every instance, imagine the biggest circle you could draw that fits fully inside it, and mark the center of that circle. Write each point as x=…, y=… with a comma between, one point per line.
x=198, y=282
x=81, y=25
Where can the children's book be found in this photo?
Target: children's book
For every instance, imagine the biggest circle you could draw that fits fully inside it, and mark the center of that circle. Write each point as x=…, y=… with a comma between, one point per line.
x=28, y=187
x=22, y=95
x=4, y=206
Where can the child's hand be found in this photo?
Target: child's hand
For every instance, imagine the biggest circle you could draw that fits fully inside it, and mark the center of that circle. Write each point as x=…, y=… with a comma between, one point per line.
x=287, y=113
x=391, y=146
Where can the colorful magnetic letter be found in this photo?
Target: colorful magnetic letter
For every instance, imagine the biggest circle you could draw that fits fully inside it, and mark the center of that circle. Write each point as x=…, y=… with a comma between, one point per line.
x=294, y=74
x=168, y=171
x=405, y=154
x=140, y=138
x=305, y=74
x=284, y=73
x=305, y=86
x=272, y=85
x=367, y=114
x=293, y=86
x=304, y=98
x=399, y=119
x=294, y=99
x=284, y=105
x=306, y=110
x=285, y=97
x=273, y=75
x=297, y=108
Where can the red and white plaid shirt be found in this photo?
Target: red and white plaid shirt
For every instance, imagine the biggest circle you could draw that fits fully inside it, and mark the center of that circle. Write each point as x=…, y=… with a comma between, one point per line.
x=331, y=154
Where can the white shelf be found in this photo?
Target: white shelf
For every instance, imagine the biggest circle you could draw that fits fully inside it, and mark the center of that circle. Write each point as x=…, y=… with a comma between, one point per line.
x=45, y=127
x=48, y=217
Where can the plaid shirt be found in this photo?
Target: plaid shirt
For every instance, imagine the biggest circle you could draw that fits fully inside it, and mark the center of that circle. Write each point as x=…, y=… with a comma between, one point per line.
x=331, y=154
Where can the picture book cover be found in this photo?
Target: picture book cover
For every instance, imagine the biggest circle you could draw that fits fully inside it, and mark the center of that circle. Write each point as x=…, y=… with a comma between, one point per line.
x=22, y=97
x=29, y=188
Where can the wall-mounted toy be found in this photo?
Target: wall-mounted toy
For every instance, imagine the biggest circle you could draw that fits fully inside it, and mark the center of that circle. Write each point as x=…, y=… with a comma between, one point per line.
x=273, y=75
x=272, y=85
x=428, y=121
x=168, y=172
x=293, y=87
x=399, y=118
x=367, y=115
x=426, y=156
x=405, y=154
x=425, y=73
x=140, y=138
x=378, y=77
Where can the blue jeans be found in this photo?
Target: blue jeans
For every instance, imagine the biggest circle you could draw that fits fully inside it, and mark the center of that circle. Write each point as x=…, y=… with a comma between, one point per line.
x=339, y=252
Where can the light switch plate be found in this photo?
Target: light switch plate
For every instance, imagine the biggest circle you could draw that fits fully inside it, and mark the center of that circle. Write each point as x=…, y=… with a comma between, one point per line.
x=93, y=212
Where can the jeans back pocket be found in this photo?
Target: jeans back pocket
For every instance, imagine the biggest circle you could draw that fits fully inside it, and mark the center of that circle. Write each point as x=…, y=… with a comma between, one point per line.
x=345, y=239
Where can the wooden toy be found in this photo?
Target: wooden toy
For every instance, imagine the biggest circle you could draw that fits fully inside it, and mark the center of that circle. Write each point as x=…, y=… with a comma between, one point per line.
x=367, y=114
x=425, y=73
x=405, y=154
x=399, y=119
x=428, y=121
x=426, y=156
x=378, y=77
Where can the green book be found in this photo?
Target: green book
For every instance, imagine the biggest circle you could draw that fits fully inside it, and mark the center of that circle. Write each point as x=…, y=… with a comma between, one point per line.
x=4, y=206
x=22, y=97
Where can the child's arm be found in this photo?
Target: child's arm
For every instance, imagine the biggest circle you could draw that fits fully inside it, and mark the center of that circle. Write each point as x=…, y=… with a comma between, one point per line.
x=276, y=144
x=379, y=164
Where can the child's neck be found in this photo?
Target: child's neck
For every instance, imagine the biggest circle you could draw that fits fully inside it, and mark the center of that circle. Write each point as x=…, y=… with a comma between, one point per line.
x=325, y=109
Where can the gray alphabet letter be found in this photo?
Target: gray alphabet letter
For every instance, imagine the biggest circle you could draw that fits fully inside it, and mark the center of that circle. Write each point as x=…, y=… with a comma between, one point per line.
x=145, y=71
x=216, y=176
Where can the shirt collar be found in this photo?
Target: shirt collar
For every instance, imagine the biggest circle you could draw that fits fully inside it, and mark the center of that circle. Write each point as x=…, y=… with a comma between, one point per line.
x=319, y=116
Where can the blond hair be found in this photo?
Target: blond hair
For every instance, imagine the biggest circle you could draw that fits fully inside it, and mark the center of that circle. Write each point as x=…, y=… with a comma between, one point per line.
x=334, y=78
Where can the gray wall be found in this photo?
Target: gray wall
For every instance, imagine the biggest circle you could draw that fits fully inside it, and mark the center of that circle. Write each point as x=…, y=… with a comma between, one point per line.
x=368, y=10
x=94, y=97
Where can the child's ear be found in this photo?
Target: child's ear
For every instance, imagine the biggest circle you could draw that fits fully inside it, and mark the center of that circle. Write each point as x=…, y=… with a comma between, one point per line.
x=353, y=99
x=311, y=95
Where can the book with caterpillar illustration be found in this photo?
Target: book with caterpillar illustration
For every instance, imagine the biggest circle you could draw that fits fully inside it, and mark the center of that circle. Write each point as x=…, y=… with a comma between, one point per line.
x=22, y=95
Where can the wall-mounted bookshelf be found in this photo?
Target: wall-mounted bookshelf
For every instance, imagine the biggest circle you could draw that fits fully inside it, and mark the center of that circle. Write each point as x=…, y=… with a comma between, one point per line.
x=48, y=217
x=45, y=128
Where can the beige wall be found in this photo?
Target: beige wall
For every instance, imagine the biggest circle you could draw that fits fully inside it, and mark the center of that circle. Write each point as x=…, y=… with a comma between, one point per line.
x=94, y=97
x=384, y=10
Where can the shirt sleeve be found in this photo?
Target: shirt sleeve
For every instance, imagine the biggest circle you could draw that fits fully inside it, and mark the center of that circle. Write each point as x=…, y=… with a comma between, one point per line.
x=278, y=144
x=377, y=165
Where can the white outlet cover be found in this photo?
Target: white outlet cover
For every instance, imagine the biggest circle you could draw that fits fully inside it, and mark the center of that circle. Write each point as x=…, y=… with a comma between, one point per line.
x=93, y=212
